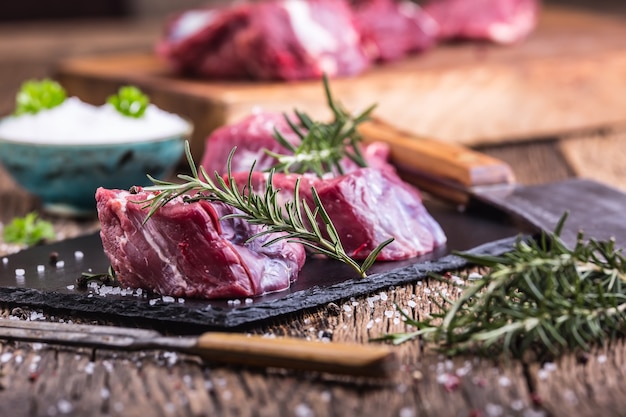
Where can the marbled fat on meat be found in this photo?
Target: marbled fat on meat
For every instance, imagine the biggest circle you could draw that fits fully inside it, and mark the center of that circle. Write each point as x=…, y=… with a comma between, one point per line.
x=184, y=250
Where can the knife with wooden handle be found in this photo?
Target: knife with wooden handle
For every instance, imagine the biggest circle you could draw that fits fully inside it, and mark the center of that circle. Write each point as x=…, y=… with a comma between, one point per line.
x=233, y=348
x=446, y=170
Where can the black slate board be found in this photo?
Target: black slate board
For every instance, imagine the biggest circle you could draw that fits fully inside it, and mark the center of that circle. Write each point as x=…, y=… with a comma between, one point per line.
x=320, y=282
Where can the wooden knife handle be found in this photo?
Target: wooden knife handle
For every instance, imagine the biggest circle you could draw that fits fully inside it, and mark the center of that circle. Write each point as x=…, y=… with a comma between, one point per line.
x=294, y=353
x=443, y=169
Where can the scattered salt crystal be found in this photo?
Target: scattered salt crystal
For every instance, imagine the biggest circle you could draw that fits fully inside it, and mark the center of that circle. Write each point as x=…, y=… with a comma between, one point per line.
x=105, y=393
x=41, y=269
x=389, y=314
x=504, y=381
x=168, y=299
x=383, y=296
x=602, y=359
x=65, y=407
x=326, y=396
x=493, y=410
x=412, y=304
x=37, y=346
x=236, y=302
x=60, y=264
x=108, y=365
x=70, y=287
x=152, y=301
x=181, y=301
x=370, y=324
x=517, y=405
x=20, y=272
x=89, y=368
x=303, y=410
x=347, y=308
x=549, y=366
x=5, y=357
x=36, y=316
x=406, y=412
x=248, y=301
x=19, y=359
x=78, y=255
x=542, y=374
x=5, y=261
x=396, y=321
x=377, y=320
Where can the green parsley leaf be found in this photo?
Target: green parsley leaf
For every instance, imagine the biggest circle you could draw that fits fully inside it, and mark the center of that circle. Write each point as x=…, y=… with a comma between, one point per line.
x=130, y=101
x=28, y=230
x=35, y=96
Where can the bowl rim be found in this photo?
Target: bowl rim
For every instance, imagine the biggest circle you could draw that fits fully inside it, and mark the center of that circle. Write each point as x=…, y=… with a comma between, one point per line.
x=183, y=134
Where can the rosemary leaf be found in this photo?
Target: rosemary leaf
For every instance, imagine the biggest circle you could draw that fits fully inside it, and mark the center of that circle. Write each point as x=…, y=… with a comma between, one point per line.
x=296, y=219
x=541, y=297
x=322, y=146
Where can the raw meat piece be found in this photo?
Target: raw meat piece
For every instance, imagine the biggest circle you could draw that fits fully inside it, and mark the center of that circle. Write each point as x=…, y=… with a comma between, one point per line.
x=392, y=29
x=251, y=135
x=501, y=21
x=255, y=133
x=270, y=40
x=184, y=250
x=367, y=207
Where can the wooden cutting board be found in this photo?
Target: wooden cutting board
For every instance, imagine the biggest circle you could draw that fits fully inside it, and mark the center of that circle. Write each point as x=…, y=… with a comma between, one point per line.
x=569, y=75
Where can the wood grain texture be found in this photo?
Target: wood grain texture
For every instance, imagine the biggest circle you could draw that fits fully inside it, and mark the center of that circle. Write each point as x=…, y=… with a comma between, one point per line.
x=569, y=75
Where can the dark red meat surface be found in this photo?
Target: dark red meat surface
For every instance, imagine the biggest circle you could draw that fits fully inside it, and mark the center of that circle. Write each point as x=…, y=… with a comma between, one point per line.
x=367, y=207
x=184, y=250
x=270, y=40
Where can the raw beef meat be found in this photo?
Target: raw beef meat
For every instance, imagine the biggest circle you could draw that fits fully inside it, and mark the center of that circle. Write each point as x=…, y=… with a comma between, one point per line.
x=501, y=21
x=251, y=135
x=255, y=133
x=392, y=29
x=269, y=40
x=184, y=250
x=367, y=207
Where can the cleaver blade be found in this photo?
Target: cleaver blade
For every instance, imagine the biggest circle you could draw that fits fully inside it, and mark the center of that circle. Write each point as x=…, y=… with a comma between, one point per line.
x=466, y=177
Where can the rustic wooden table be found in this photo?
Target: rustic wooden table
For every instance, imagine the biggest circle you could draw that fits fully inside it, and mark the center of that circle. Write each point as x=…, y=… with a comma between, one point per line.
x=46, y=380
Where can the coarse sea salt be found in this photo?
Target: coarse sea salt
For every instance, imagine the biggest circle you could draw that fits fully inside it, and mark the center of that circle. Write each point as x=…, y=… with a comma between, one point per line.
x=76, y=122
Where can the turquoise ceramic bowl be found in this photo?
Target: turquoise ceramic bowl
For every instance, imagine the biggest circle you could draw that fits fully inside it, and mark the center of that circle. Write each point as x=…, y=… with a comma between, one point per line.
x=65, y=176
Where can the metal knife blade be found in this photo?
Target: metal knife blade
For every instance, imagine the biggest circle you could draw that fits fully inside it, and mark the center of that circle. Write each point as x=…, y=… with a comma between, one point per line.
x=233, y=348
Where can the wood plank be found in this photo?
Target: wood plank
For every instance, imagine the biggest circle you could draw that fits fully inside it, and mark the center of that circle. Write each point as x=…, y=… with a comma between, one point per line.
x=569, y=75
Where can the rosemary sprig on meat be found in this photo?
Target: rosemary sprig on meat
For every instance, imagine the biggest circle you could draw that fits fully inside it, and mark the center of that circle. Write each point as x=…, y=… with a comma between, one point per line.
x=540, y=297
x=322, y=145
x=294, y=221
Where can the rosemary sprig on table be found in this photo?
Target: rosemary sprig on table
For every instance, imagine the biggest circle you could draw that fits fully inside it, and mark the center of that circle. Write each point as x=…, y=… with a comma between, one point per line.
x=294, y=220
x=322, y=145
x=541, y=297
